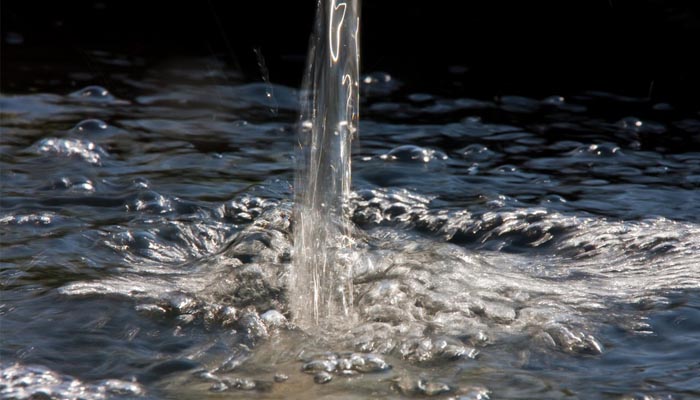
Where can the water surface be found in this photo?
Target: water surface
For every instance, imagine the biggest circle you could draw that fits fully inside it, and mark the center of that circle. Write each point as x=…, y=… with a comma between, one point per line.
x=505, y=247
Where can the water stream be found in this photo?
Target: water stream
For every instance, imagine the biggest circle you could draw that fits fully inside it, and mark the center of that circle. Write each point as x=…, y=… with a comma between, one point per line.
x=321, y=278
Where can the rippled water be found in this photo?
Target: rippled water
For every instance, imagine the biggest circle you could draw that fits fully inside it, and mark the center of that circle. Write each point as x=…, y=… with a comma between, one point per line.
x=504, y=248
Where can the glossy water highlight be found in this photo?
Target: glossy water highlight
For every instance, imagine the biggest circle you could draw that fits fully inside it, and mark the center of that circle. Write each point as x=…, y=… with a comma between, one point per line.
x=321, y=278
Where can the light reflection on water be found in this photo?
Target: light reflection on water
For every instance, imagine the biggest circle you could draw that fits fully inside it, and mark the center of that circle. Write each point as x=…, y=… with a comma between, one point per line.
x=519, y=247
x=320, y=280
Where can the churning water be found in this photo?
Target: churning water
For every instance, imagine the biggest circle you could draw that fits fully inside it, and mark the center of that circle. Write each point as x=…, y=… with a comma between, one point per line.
x=503, y=248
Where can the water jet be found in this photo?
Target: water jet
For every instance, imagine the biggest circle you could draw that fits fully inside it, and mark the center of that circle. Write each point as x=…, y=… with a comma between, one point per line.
x=321, y=278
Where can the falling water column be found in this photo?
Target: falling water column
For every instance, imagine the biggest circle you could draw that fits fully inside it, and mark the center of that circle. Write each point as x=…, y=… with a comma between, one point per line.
x=321, y=277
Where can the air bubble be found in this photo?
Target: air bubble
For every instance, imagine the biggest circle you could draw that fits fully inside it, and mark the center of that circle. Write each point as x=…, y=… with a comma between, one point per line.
x=323, y=377
x=415, y=387
x=344, y=364
x=93, y=93
x=90, y=126
x=554, y=100
x=411, y=153
x=599, y=149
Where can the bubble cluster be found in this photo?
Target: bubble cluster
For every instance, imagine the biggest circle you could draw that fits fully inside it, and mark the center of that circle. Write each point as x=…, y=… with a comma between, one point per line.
x=324, y=366
x=84, y=150
x=22, y=382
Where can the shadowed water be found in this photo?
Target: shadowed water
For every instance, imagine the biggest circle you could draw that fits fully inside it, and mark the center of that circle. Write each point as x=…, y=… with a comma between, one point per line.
x=511, y=247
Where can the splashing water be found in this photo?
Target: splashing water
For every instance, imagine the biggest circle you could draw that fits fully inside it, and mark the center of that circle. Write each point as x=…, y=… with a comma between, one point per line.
x=508, y=247
x=321, y=279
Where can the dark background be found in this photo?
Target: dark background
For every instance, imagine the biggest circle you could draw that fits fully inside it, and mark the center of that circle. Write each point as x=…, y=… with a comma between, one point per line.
x=635, y=47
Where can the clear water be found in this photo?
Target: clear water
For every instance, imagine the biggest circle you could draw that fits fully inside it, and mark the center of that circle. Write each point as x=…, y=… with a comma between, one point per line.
x=510, y=247
x=320, y=282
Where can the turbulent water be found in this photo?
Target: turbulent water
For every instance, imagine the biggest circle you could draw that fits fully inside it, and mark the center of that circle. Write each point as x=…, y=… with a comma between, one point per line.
x=503, y=248
x=320, y=284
